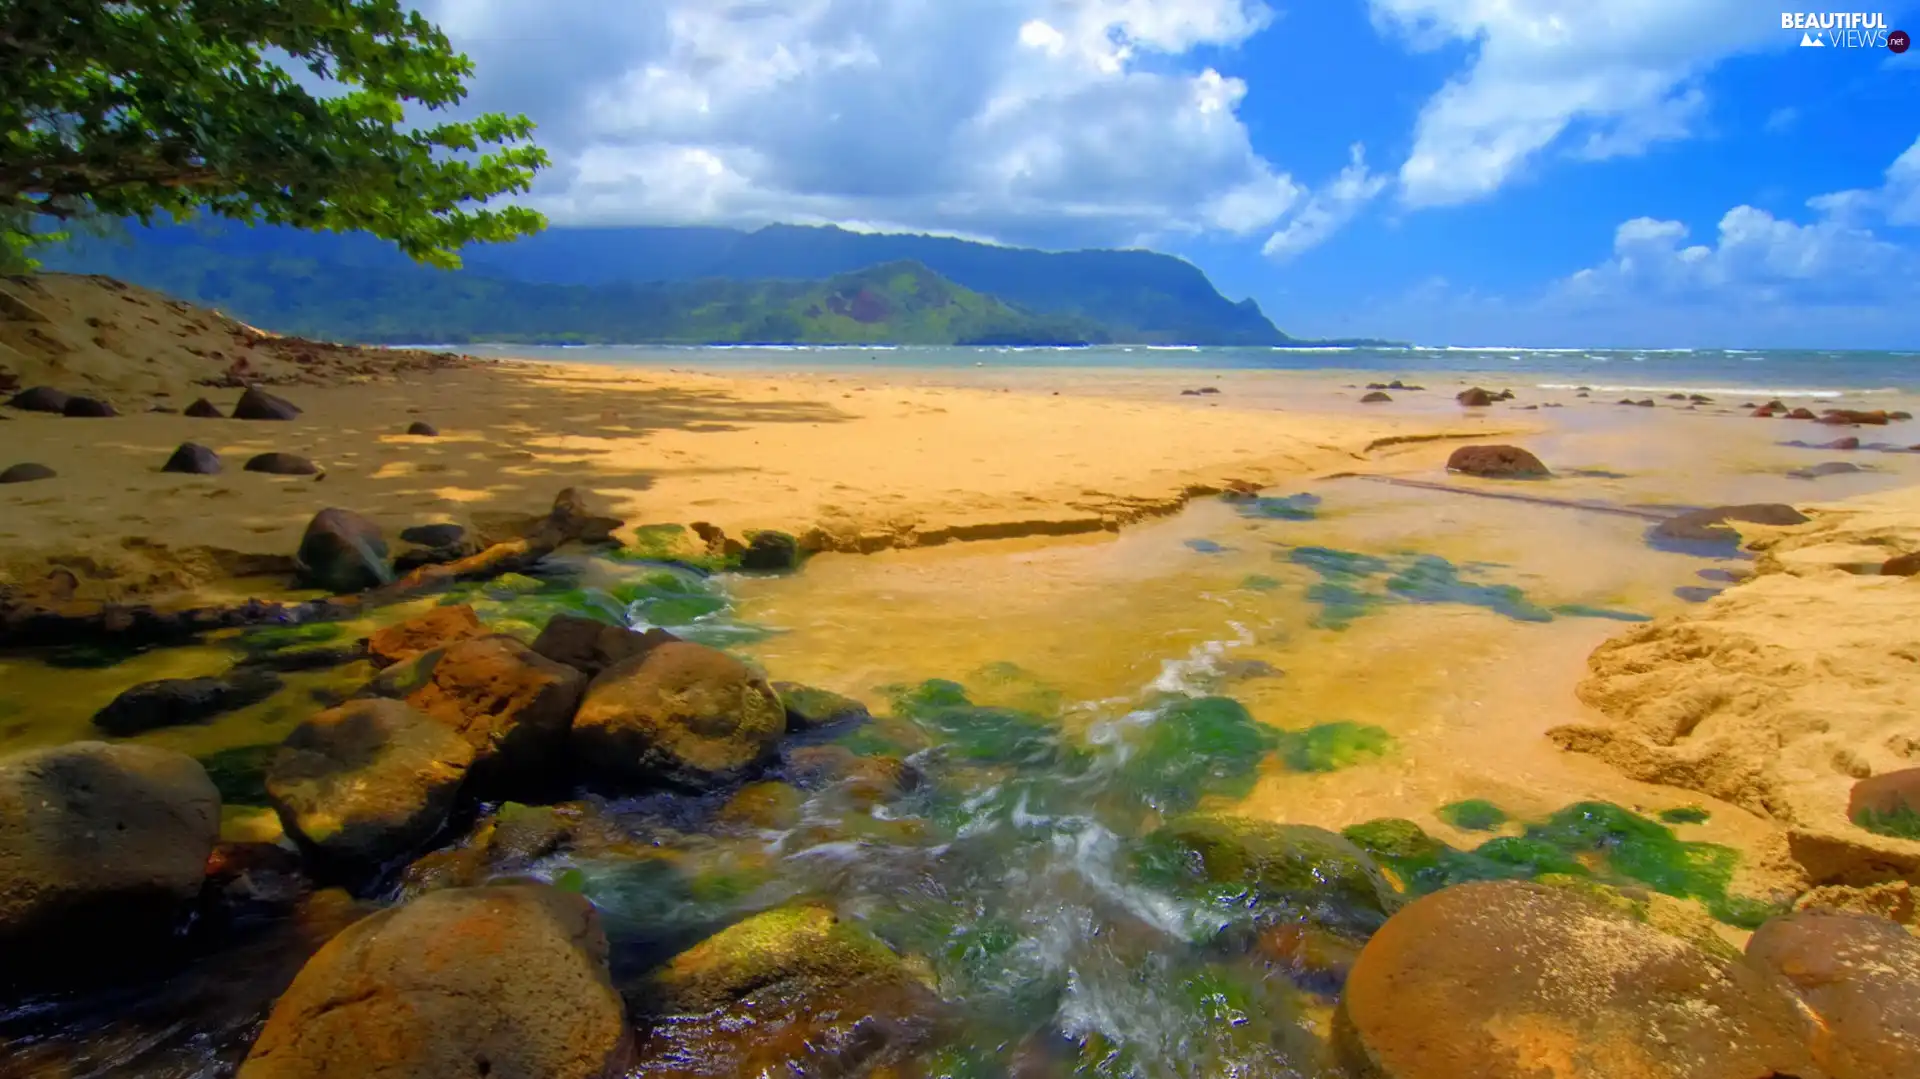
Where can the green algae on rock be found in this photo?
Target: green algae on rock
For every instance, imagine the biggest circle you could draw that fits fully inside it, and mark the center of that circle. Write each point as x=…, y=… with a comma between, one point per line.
x=977, y=733
x=1195, y=748
x=1345, y=590
x=810, y=708
x=1242, y=868
x=1473, y=815
x=1329, y=747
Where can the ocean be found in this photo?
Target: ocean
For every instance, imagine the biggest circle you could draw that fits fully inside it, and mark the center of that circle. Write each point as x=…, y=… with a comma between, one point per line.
x=1774, y=372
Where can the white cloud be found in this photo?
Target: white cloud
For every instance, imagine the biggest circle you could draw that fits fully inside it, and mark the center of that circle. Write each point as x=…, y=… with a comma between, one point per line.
x=1619, y=74
x=1328, y=209
x=1059, y=121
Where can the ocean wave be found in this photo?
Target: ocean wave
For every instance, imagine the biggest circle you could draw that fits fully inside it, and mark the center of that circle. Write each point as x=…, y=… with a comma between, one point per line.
x=1755, y=391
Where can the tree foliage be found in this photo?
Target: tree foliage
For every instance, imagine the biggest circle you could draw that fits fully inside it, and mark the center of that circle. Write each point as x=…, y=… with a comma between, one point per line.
x=134, y=108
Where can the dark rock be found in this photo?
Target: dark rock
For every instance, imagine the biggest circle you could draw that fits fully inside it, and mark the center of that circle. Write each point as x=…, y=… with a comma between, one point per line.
x=769, y=551
x=681, y=713
x=1376, y=385
x=41, y=399
x=1861, y=976
x=1375, y=398
x=1898, y=415
x=203, y=409
x=504, y=981
x=194, y=459
x=102, y=847
x=1500, y=462
x=1647, y=403
x=438, y=535
x=1474, y=398
x=1902, y=565
x=342, y=551
x=1840, y=416
x=1776, y=405
x=437, y=628
x=1798, y=413
x=590, y=646
x=1709, y=525
x=1699, y=398
x=172, y=702
x=511, y=704
x=88, y=407
x=243, y=875
x=1516, y=980
x=1825, y=468
x=281, y=464
x=423, y=428
x=365, y=784
x=27, y=472
x=1842, y=444
x=1886, y=794
x=258, y=404
x=810, y=709
x=1676, y=397
x=1189, y=393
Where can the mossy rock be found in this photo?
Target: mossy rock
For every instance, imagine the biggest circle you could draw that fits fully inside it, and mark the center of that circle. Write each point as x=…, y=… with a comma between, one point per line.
x=810, y=708
x=1329, y=747
x=1473, y=815
x=799, y=949
x=240, y=773
x=767, y=805
x=977, y=733
x=1269, y=871
x=1394, y=838
x=1197, y=747
x=675, y=544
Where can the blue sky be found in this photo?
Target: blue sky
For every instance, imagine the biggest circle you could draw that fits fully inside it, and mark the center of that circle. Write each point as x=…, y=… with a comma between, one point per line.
x=1527, y=172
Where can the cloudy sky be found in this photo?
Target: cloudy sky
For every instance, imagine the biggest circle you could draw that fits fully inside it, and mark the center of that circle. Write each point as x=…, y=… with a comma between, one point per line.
x=1631, y=172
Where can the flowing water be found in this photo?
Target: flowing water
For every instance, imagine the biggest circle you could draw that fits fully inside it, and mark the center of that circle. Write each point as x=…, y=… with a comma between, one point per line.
x=1056, y=728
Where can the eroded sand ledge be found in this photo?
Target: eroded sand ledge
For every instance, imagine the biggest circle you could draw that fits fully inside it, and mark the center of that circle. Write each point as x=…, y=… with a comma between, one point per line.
x=1783, y=691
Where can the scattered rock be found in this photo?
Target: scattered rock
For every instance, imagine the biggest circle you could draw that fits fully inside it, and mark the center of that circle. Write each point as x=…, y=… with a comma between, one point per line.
x=366, y=783
x=513, y=705
x=770, y=551
x=810, y=709
x=1645, y=403
x=258, y=404
x=505, y=981
x=101, y=848
x=194, y=459
x=437, y=628
x=342, y=551
x=1375, y=398
x=1897, y=415
x=1861, y=976
x=88, y=407
x=436, y=535
x=1676, y=397
x=1515, y=980
x=1699, y=398
x=1498, y=462
x=1474, y=398
x=203, y=409
x=1885, y=794
x=41, y=399
x=423, y=428
x=1842, y=444
x=172, y=702
x=679, y=713
x=590, y=646
x=281, y=464
x=27, y=472
x=1825, y=468
x=1710, y=525
x=1796, y=414
x=1838, y=416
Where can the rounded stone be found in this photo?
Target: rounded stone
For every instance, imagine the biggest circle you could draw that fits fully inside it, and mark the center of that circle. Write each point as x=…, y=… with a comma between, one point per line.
x=1498, y=462
x=27, y=472
x=1861, y=975
x=193, y=459
x=281, y=464
x=680, y=713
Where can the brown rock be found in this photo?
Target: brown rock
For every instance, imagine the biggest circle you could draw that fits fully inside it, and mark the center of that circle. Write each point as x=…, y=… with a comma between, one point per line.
x=1474, y=398
x=1709, y=525
x=203, y=409
x=511, y=704
x=1886, y=793
x=1861, y=976
x=1500, y=462
x=1839, y=416
x=41, y=399
x=1375, y=398
x=1843, y=444
x=171, y=702
x=193, y=459
x=1800, y=414
x=102, y=846
x=437, y=628
x=1763, y=413
x=281, y=464
x=365, y=784
x=342, y=551
x=680, y=713
x=27, y=472
x=1897, y=415
x=505, y=982
x=88, y=407
x=1515, y=980
x=590, y=646
x=258, y=404
x=423, y=428
x=1902, y=565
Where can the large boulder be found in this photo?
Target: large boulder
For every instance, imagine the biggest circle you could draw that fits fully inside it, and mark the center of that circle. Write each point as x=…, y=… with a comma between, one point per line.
x=437, y=628
x=171, y=702
x=511, y=704
x=680, y=713
x=1496, y=462
x=1861, y=976
x=258, y=404
x=505, y=982
x=1517, y=980
x=795, y=990
x=591, y=646
x=343, y=552
x=101, y=848
x=367, y=783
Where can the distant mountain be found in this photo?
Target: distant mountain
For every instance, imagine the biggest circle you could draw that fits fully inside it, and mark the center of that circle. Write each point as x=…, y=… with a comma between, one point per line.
x=348, y=285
